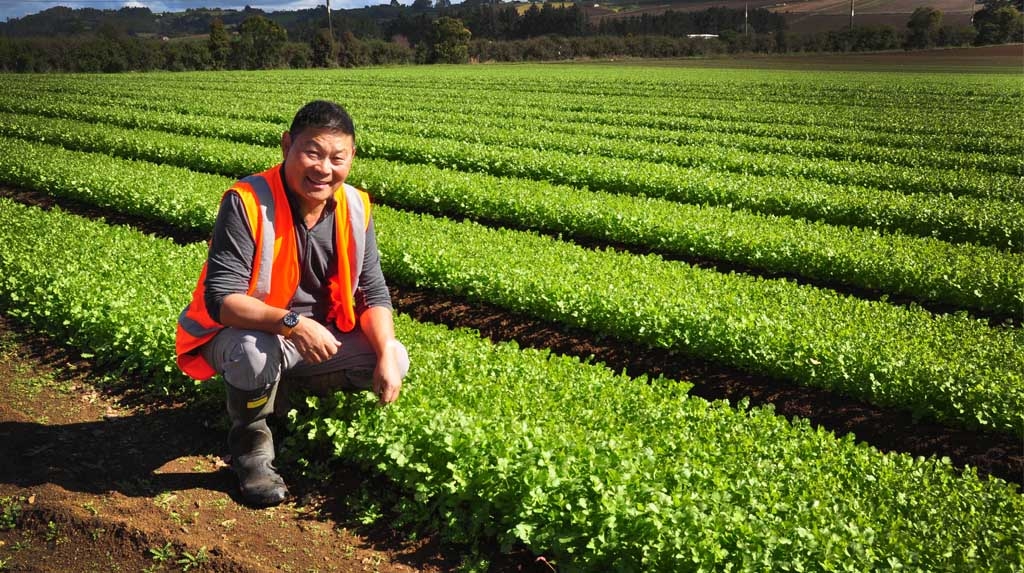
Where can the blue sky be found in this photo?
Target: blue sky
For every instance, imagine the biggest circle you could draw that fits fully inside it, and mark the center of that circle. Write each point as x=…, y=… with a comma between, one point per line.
x=18, y=8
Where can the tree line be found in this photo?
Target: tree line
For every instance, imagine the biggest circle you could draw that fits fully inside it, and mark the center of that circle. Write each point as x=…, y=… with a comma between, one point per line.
x=472, y=31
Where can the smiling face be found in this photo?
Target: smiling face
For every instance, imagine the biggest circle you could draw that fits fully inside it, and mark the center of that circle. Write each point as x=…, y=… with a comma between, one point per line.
x=316, y=163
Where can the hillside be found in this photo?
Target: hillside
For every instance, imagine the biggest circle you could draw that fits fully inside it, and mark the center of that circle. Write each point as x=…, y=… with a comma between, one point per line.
x=801, y=15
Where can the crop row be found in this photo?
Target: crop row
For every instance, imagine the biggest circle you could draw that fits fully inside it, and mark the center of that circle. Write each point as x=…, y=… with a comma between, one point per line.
x=959, y=276
x=867, y=147
x=757, y=156
x=958, y=182
x=960, y=219
x=963, y=219
x=929, y=101
x=778, y=101
x=597, y=471
x=987, y=142
x=949, y=367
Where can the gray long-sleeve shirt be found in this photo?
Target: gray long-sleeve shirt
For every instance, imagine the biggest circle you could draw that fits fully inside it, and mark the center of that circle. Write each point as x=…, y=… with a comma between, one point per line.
x=232, y=251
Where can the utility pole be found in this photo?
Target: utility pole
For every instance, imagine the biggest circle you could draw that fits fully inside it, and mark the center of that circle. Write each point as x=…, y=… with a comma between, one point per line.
x=746, y=29
x=330, y=26
x=851, y=14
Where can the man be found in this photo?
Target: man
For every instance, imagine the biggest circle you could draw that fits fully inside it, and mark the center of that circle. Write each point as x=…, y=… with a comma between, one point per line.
x=292, y=284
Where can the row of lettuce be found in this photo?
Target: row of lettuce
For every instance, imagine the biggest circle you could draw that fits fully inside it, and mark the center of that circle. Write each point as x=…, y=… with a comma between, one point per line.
x=865, y=146
x=596, y=471
x=949, y=367
x=977, y=278
x=957, y=219
x=950, y=179
x=964, y=115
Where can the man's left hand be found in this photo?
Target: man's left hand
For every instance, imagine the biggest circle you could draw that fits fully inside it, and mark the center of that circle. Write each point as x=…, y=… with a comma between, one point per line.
x=387, y=376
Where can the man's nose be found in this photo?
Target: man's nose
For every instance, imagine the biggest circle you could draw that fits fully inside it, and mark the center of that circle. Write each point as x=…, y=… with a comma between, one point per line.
x=323, y=166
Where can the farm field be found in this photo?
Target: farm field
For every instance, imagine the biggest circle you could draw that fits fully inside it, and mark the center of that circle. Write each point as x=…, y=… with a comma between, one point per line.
x=759, y=319
x=806, y=16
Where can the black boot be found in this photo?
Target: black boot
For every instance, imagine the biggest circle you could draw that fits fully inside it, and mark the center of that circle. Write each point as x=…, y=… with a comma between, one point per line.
x=252, y=446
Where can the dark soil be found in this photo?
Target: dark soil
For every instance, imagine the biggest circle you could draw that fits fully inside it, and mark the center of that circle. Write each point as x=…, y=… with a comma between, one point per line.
x=99, y=477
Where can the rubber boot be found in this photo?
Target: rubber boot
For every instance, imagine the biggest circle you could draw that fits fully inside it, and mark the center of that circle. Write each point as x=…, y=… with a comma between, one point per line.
x=252, y=446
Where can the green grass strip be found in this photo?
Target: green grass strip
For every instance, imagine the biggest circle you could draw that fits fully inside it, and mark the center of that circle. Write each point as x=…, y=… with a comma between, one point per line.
x=596, y=471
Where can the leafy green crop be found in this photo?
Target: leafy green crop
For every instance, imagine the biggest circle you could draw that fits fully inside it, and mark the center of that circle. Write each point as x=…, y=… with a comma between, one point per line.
x=595, y=470
x=948, y=367
x=963, y=276
x=109, y=291
x=718, y=156
x=913, y=114
x=958, y=219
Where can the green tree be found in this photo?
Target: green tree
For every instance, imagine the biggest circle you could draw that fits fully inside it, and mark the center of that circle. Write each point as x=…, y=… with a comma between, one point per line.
x=924, y=27
x=449, y=41
x=219, y=44
x=186, y=55
x=950, y=35
x=324, y=50
x=997, y=4
x=297, y=55
x=351, y=51
x=999, y=23
x=260, y=44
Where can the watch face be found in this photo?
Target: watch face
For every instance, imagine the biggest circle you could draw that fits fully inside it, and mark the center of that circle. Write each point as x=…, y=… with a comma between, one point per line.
x=291, y=319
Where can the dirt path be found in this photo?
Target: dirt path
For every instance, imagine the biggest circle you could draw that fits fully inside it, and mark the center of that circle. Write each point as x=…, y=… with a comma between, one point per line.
x=111, y=481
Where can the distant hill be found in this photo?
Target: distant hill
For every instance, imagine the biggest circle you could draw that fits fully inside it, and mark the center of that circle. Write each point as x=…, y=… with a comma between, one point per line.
x=801, y=15
x=133, y=21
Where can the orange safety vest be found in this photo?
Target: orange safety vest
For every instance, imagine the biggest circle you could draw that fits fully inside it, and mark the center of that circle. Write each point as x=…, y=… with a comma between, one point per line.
x=275, y=273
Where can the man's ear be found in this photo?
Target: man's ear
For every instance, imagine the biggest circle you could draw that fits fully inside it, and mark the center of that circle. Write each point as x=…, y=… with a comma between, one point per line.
x=286, y=144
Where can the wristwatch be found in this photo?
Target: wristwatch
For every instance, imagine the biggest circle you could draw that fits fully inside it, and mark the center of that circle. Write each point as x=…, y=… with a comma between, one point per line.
x=290, y=321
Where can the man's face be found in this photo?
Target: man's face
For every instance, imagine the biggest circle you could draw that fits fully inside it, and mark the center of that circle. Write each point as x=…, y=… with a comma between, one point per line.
x=316, y=163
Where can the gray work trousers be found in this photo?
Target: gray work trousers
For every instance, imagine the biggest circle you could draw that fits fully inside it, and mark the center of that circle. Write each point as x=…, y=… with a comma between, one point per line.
x=253, y=360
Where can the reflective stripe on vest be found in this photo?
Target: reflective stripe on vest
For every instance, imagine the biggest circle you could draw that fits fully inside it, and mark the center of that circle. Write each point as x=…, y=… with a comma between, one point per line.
x=359, y=218
x=275, y=262
x=263, y=214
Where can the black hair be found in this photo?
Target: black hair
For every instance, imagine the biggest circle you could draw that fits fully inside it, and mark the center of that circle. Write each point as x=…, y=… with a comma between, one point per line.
x=321, y=114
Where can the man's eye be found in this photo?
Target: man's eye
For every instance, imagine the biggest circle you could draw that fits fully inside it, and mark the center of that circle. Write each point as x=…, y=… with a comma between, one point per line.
x=339, y=159
x=312, y=155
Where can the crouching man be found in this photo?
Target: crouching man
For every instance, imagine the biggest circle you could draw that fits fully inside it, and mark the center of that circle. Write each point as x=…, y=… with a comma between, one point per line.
x=292, y=285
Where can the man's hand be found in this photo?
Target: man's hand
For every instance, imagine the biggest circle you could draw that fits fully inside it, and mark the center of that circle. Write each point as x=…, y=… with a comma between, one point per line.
x=313, y=341
x=387, y=377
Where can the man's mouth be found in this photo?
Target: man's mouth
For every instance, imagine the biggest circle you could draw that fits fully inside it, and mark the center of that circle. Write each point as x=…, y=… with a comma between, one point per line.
x=318, y=184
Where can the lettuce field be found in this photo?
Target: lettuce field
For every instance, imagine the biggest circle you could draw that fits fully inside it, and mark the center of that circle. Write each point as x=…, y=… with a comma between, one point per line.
x=861, y=234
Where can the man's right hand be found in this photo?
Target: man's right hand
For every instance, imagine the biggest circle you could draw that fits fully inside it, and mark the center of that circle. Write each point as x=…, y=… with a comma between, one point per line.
x=313, y=341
